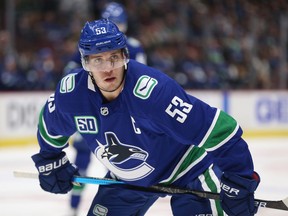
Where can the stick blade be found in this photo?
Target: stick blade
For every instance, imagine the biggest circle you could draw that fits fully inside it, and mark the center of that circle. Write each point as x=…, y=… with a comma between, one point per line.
x=285, y=202
x=275, y=204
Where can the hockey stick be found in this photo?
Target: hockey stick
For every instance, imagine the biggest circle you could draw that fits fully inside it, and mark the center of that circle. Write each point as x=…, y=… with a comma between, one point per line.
x=274, y=204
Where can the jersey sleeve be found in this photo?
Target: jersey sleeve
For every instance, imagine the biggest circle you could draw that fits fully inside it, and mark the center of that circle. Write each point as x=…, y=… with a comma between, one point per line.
x=191, y=121
x=54, y=127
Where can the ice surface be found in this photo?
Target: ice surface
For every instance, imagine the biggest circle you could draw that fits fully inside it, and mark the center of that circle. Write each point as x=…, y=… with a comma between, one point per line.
x=24, y=197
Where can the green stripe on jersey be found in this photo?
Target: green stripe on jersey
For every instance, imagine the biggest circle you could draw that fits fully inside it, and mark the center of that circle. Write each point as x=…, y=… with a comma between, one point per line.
x=222, y=129
x=55, y=141
x=213, y=188
x=192, y=157
x=210, y=182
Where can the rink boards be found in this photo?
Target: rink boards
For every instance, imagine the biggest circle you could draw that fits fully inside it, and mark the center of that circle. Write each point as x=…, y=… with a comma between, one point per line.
x=260, y=113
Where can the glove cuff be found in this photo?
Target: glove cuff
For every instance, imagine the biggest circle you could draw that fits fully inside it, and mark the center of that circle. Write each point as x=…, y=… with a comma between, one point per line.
x=249, y=184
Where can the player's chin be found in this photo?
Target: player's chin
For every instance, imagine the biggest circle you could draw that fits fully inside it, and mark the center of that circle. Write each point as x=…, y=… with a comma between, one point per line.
x=110, y=88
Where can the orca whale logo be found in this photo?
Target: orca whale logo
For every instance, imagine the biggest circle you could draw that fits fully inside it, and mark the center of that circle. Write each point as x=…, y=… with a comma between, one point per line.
x=115, y=153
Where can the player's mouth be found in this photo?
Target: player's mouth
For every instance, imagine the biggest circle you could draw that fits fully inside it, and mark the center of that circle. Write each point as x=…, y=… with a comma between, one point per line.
x=110, y=79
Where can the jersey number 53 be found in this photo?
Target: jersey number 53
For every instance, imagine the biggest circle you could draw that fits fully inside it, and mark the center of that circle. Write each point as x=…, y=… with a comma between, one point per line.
x=179, y=109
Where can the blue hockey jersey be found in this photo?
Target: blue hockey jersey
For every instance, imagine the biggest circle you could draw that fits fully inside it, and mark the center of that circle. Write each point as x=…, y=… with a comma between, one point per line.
x=153, y=132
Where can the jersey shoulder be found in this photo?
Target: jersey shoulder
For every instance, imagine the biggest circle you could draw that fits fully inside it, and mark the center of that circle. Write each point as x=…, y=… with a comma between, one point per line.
x=72, y=92
x=137, y=70
x=149, y=84
x=150, y=94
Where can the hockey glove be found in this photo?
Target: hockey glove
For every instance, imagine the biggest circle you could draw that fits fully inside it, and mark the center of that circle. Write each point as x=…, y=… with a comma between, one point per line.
x=55, y=173
x=237, y=194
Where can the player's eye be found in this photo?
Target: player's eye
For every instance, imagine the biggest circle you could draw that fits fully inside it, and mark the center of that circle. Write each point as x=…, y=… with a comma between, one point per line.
x=114, y=58
x=97, y=61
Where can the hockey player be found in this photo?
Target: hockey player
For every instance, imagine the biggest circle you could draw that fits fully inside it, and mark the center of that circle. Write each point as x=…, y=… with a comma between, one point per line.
x=115, y=12
x=146, y=130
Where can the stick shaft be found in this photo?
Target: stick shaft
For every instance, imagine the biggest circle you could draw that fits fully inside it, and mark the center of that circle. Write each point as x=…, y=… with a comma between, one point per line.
x=94, y=180
x=278, y=204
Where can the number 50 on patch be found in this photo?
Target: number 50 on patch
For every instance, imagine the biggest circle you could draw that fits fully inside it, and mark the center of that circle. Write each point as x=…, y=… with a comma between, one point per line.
x=86, y=124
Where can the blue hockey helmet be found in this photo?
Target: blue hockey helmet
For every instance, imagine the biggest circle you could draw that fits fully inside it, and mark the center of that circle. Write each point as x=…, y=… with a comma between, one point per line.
x=100, y=36
x=116, y=13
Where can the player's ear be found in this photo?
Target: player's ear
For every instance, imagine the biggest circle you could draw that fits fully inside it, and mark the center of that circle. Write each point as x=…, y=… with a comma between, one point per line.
x=125, y=54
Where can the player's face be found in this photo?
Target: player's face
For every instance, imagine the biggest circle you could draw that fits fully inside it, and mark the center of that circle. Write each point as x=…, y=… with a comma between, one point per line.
x=107, y=69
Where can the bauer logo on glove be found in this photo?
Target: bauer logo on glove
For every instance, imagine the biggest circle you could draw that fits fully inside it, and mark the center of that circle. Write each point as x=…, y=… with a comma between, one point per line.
x=230, y=191
x=54, y=165
x=55, y=172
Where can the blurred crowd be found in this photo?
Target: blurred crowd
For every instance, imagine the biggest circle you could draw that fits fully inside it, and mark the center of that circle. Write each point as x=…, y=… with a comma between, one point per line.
x=202, y=44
